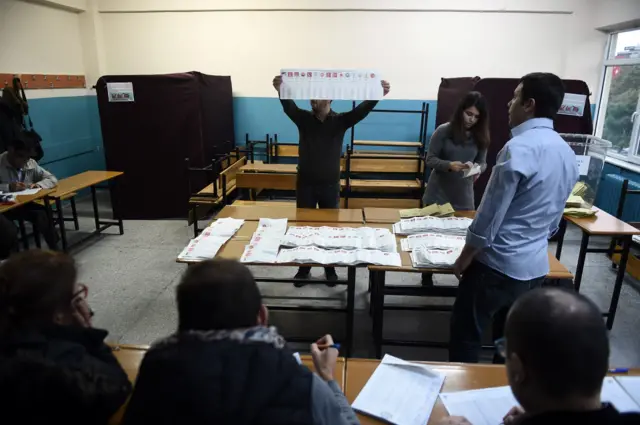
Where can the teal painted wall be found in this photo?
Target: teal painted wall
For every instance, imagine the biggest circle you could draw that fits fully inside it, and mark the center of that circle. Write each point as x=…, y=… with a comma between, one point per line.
x=70, y=130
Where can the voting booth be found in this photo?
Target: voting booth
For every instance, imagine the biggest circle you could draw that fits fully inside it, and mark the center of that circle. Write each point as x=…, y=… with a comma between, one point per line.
x=591, y=153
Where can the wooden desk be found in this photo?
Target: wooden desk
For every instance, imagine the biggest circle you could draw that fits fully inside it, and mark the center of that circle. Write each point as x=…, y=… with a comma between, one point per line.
x=25, y=199
x=270, y=168
x=459, y=377
x=603, y=224
x=290, y=212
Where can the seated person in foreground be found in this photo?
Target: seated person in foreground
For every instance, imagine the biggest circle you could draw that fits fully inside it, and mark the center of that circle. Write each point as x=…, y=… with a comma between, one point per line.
x=557, y=355
x=225, y=366
x=19, y=172
x=54, y=367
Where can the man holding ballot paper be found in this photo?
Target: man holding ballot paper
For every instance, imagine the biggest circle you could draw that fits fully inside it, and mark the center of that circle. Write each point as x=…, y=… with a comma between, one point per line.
x=321, y=134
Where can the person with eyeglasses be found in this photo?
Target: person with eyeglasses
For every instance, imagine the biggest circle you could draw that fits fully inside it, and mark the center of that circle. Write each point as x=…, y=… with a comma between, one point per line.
x=54, y=366
x=556, y=347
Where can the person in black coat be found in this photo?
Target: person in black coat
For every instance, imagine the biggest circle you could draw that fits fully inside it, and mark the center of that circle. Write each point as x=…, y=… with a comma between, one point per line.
x=556, y=348
x=54, y=367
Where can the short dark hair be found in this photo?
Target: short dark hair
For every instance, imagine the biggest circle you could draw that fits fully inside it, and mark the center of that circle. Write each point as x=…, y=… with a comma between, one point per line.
x=480, y=130
x=218, y=294
x=546, y=89
x=562, y=341
x=21, y=143
x=34, y=285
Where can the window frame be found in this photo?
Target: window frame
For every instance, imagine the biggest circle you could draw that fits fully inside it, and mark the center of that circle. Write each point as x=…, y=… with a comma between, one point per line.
x=633, y=154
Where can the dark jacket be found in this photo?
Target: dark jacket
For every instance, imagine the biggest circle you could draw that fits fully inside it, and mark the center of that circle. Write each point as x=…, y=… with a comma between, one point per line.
x=64, y=374
x=195, y=381
x=608, y=415
x=10, y=124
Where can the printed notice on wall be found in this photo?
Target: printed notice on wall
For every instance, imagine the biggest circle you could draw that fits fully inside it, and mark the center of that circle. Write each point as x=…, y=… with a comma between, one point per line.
x=583, y=164
x=334, y=84
x=120, y=92
x=573, y=104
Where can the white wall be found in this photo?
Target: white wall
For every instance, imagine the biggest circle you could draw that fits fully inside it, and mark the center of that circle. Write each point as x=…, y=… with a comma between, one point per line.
x=413, y=46
x=41, y=40
x=617, y=14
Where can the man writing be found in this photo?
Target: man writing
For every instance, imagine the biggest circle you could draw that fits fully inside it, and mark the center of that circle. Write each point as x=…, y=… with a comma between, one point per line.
x=321, y=133
x=556, y=362
x=505, y=253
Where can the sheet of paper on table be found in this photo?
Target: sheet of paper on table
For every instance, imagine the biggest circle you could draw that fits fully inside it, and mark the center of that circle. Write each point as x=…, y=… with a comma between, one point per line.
x=400, y=392
x=24, y=192
x=615, y=393
x=209, y=242
x=432, y=241
x=341, y=237
x=335, y=84
x=343, y=257
x=447, y=225
x=265, y=242
x=631, y=384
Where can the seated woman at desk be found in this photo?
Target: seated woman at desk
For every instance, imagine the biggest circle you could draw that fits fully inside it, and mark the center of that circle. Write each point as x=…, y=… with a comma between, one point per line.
x=463, y=139
x=19, y=172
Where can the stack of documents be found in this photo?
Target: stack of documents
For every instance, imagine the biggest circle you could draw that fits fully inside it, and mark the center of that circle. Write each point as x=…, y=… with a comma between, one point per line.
x=422, y=257
x=574, y=201
x=489, y=406
x=24, y=192
x=400, y=392
x=448, y=225
x=343, y=257
x=265, y=242
x=433, y=210
x=473, y=170
x=207, y=245
x=432, y=241
x=341, y=238
x=579, y=212
x=580, y=189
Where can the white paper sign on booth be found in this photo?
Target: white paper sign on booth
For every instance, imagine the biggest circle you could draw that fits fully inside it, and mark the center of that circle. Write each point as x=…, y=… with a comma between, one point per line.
x=334, y=84
x=583, y=164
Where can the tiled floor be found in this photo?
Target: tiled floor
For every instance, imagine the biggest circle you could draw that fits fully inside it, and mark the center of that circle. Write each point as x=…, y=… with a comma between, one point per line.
x=132, y=279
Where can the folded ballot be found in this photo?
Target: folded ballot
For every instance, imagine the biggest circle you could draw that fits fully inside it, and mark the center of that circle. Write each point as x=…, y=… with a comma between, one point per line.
x=432, y=241
x=473, y=170
x=579, y=189
x=344, y=257
x=209, y=242
x=447, y=225
x=340, y=238
x=579, y=212
x=574, y=201
x=422, y=257
x=265, y=242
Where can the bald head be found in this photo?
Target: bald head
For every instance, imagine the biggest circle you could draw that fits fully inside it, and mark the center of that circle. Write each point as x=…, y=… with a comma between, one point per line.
x=561, y=340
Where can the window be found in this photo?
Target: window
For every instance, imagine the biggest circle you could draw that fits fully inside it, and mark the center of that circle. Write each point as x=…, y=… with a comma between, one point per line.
x=618, y=120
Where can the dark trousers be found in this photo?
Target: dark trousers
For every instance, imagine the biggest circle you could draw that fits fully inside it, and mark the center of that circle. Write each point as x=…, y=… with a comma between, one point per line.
x=309, y=195
x=37, y=216
x=8, y=237
x=484, y=295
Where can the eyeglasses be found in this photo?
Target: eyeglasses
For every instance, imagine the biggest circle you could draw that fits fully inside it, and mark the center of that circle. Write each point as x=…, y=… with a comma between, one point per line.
x=81, y=293
x=501, y=347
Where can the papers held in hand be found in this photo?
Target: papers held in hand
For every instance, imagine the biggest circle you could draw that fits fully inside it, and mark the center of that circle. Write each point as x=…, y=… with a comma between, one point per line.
x=473, y=169
x=400, y=392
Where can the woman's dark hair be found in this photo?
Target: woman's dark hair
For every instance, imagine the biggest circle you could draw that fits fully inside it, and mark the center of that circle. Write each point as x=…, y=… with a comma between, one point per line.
x=480, y=130
x=34, y=286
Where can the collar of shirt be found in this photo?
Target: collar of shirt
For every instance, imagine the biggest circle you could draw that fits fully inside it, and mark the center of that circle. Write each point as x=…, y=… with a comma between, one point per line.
x=530, y=124
x=331, y=114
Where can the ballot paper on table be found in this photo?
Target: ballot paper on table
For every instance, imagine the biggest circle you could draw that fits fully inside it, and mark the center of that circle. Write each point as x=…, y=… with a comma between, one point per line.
x=265, y=241
x=224, y=227
x=24, y=192
x=204, y=247
x=474, y=169
x=316, y=255
x=432, y=241
x=422, y=257
x=346, y=84
x=400, y=392
x=341, y=237
x=446, y=225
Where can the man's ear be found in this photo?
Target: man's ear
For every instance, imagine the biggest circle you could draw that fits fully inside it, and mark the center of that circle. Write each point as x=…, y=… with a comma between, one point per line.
x=263, y=315
x=529, y=105
x=515, y=368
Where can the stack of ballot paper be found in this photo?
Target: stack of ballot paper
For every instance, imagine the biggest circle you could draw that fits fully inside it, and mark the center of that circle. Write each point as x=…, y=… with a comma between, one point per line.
x=24, y=192
x=400, y=392
x=207, y=245
x=433, y=210
x=422, y=257
x=448, y=225
x=473, y=170
x=574, y=201
x=341, y=238
x=316, y=255
x=432, y=241
x=489, y=406
x=579, y=189
x=580, y=212
x=265, y=242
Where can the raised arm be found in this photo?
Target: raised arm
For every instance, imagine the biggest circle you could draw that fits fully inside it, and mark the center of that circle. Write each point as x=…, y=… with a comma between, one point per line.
x=289, y=106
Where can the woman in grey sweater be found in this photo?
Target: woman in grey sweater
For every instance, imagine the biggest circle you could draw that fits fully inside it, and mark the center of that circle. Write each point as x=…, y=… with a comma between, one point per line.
x=464, y=139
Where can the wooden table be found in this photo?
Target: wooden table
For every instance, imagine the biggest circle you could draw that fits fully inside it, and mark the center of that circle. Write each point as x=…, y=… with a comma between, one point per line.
x=73, y=184
x=269, y=168
x=290, y=212
x=25, y=199
x=603, y=224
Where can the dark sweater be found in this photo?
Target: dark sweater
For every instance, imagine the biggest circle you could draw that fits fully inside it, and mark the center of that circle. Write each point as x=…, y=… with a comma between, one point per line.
x=64, y=374
x=608, y=415
x=320, y=145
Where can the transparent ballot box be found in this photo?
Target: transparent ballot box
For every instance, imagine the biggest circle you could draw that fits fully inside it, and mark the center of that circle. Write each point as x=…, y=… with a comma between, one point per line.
x=590, y=153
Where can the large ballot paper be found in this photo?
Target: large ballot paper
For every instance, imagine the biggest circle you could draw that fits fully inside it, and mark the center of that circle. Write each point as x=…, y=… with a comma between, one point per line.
x=334, y=84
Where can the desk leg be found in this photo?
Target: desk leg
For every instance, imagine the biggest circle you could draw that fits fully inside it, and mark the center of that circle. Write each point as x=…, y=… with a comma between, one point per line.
x=562, y=229
x=96, y=216
x=116, y=211
x=617, y=288
x=63, y=231
x=351, y=305
x=582, y=255
x=377, y=297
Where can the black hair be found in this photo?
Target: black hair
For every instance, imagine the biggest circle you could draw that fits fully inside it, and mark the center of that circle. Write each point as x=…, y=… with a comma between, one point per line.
x=546, y=89
x=21, y=143
x=218, y=294
x=480, y=130
x=34, y=286
x=562, y=341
